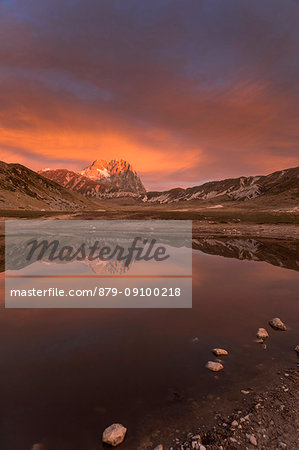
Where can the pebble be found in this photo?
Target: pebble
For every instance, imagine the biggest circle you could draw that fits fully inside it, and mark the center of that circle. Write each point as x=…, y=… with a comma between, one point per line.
x=262, y=334
x=214, y=366
x=234, y=423
x=159, y=447
x=277, y=324
x=114, y=435
x=252, y=439
x=195, y=340
x=220, y=352
x=245, y=392
x=297, y=349
x=196, y=438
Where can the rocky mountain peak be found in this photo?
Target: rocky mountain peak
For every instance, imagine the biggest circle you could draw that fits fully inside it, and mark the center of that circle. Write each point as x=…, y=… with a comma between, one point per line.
x=100, y=168
x=119, y=173
x=115, y=178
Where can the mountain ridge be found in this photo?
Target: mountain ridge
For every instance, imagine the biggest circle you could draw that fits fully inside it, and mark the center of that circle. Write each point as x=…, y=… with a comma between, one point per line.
x=231, y=189
x=22, y=188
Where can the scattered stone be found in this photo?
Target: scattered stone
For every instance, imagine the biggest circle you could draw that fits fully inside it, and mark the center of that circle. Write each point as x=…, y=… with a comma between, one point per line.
x=195, y=340
x=114, y=435
x=233, y=439
x=220, y=352
x=214, y=366
x=202, y=447
x=282, y=445
x=262, y=334
x=159, y=447
x=242, y=419
x=297, y=349
x=234, y=423
x=245, y=392
x=252, y=439
x=196, y=438
x=277, y=324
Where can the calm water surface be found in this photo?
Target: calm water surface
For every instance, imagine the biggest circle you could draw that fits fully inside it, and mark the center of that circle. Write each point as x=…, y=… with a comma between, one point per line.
x=67, y=374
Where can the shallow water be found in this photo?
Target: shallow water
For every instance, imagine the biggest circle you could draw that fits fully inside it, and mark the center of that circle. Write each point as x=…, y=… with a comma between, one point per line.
x=67, y=374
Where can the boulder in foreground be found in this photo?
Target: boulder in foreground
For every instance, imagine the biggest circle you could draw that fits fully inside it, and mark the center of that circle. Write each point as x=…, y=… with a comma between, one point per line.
x=220, y=352
x=114, y=435
x=214, y=366
x=277, y=324
x=262, y=334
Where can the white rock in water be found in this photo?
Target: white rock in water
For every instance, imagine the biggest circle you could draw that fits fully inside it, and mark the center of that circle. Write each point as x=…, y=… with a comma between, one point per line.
x=277, y=324
x=245, y=392
x=114, y=435
x=214, y=366
x=262, y=334
x=220, y=352
x=297, y=349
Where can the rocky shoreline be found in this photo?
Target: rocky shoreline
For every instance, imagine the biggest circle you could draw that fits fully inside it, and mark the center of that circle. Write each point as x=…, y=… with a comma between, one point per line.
x=266, y=420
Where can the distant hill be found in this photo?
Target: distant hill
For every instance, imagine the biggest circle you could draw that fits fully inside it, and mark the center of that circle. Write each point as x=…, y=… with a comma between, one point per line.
x=22, y=188
x=283, y=184
x=76, y=182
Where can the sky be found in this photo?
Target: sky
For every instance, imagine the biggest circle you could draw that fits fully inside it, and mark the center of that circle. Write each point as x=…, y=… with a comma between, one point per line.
x=185, y=90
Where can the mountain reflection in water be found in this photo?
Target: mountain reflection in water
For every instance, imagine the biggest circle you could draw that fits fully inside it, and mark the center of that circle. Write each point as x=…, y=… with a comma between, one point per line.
x=67, y=374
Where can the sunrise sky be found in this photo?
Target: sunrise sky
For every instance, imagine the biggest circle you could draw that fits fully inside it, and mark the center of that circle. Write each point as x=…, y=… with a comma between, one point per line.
x=185, y=90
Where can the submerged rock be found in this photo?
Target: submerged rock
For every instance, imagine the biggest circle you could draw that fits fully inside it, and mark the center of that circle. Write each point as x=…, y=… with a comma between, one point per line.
x=214, y=366
x=114, y=435
x=220, y=352
x=277, y=324
x=262, y=334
